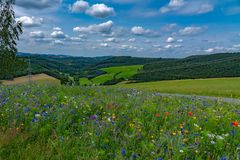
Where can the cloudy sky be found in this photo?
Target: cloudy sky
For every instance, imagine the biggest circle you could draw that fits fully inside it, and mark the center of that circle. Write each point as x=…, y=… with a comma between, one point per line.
x=148, y=28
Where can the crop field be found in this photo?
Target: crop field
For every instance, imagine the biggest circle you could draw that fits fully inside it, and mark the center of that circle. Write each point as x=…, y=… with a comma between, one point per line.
x=59, y=122
x=222, y=87
x=124, y=72
x=40, y=78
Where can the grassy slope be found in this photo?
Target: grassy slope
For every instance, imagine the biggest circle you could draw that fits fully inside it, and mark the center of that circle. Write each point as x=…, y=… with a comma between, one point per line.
x=85, y=81
x=39, y=78
x=223, y=87
x=120, y=72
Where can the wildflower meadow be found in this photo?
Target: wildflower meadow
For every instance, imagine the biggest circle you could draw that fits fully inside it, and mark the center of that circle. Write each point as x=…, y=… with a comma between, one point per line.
x=60, y=122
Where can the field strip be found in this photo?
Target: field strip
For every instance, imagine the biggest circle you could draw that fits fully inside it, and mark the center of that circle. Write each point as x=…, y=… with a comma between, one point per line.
x=202, y=98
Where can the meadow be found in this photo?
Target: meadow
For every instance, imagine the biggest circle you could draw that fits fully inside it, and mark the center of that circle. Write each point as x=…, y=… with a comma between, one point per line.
x=61, y=122
x=220, y=87
x=39, y=78
x=122, y=72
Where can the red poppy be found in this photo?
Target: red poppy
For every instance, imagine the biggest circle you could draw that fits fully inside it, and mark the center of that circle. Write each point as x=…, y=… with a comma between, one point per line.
x=235, y=124
x=190, y=114
x=157, y=115
x=166, y=113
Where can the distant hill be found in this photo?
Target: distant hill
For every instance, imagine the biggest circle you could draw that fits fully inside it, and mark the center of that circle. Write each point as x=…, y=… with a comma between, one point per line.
x=193, y=67
x=89, y=69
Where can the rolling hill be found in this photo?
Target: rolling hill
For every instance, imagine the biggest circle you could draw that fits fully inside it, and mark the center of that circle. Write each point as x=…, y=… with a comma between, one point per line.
x=100, y=70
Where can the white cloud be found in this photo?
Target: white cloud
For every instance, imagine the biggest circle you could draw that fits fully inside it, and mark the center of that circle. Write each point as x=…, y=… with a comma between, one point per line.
x=30, y=21
x=188, y=31
x=38, y=4
x=58, y=42
x=170, y=46
x=37, y=34
x=111, y=39
x=236, y=46
x=57, y=29
x=210, y=50
x=100, y=11
x=79, y=6
x=104, y=45
x=187, y=7
x=140, y=31
x=180, y=40
x=58, y=34
x=102, y=28
x=132, y=40
x=76, y=39
x=170, y=40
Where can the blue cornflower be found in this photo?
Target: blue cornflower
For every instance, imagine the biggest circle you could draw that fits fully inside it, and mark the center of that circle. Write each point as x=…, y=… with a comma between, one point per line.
x=123, y=152
x=93, y=117
x=159, y=159
x=134, y=156
x=224, y=158
x=35, y=120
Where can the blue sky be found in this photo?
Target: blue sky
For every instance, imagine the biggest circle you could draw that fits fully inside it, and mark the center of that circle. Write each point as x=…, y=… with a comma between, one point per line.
x=142, y=28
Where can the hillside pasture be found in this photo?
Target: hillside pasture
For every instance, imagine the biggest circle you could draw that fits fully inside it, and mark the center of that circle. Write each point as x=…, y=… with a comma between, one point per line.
x=39, y=78
x=222, y=87
x=122, y=72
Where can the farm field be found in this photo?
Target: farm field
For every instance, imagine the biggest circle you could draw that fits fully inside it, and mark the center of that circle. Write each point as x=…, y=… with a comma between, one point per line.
x=222, y=87
x=123, y=72
x=59, y=122
x=39, y=78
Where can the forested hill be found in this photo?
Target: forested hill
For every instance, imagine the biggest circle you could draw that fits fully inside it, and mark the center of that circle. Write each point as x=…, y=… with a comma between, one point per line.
x=203, y=66
x=154, y=69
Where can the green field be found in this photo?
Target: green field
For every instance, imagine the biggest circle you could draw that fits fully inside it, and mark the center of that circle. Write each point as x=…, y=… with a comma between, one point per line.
x=101, y=123
x=123, y=72
x=85, y=81
x=223, y=87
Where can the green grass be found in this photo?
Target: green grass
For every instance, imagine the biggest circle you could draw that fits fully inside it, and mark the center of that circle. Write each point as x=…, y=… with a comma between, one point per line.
x=102, y=78
x=85, y=81
x=223, y=87
x=124, y=72
x=98, y=123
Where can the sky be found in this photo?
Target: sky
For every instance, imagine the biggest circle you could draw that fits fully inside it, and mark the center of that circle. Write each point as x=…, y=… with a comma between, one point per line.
x=140, y=28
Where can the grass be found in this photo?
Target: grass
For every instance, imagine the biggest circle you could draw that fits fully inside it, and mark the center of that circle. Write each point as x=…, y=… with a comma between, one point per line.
x=39, y=78
x=57, y=122
x=223, y=87
x=124, y=72
x=85, y=81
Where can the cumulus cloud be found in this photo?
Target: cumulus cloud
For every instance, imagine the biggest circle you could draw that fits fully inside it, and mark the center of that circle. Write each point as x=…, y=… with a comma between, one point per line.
x=96, y=10
x=57, y=28
x=170, y=40
x=58, y=34
x=187, y=7
x=76, y=39
x=104, y=45
x=38, y=4
x=58, y=42
x=37, y=34
x=140, y=31
x=79, y=6
x=105, y=28
x=111, y=39
x=180, y=40
x=170, y=46
x=189, y=31
x=30, y=21
x=100, y=11
x=210, y=50
x=132, y=40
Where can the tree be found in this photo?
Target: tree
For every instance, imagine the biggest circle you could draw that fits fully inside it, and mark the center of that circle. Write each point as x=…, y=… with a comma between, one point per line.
x=10, y=31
